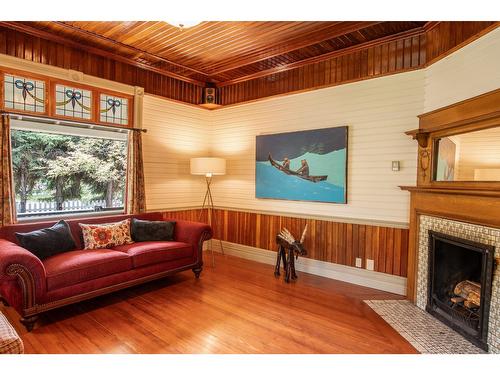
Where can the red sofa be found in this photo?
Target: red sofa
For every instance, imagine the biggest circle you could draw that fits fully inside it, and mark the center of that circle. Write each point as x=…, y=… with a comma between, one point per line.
x=33, y=286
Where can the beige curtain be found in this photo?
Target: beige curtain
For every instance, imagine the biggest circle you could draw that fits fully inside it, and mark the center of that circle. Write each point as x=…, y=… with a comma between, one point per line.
x=7, y=214
x=136, y=198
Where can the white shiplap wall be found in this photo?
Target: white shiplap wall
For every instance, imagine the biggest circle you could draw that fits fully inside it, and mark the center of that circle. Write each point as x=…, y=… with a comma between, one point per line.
x=377, y=111
x=176, y=132
x=468, y=72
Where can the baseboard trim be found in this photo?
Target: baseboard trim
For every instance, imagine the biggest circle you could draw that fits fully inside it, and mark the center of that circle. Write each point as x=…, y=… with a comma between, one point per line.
x=358, y=276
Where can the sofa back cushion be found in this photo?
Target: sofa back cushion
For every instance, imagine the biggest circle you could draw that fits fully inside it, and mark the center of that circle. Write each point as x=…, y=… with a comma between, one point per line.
x=147, y=230
x=8, y=232
x=50, y=241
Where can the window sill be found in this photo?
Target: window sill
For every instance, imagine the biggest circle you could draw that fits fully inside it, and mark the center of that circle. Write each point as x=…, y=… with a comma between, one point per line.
x=81, y=215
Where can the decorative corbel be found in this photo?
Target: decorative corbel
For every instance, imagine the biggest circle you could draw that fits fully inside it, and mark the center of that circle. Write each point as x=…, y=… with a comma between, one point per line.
x=421, y=136
x=424, y=156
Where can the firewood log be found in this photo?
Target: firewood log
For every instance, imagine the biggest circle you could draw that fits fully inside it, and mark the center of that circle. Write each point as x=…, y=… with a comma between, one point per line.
x=470, y=305
x=469, y=290
x=457, y=299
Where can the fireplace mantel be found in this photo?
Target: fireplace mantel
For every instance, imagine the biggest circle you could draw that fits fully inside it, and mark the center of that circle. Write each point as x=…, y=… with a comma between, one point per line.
x=470, y=202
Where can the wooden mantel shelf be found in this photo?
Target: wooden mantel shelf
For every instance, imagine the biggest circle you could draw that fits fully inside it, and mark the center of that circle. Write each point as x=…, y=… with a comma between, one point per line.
x=451, y=190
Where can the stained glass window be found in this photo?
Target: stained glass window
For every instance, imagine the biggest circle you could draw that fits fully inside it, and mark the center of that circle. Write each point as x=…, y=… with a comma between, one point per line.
x=73, y=102
x=24, y=94
x=113, y=109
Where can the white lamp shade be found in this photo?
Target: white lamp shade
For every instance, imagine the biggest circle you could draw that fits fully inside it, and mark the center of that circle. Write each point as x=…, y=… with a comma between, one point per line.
x=208, y=166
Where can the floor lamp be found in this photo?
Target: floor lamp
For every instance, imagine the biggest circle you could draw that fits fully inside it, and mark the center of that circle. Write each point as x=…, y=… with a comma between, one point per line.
x=209, y=167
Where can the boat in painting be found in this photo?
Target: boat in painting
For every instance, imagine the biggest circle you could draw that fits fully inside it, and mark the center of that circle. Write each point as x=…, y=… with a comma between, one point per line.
x=278, y=166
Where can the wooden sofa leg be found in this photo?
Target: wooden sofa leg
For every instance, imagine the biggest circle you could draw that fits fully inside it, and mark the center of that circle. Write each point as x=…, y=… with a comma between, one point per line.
x=197, y=272
x=29, y=322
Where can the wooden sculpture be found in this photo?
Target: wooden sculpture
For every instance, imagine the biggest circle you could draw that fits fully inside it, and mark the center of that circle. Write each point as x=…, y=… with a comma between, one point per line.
x=288, y=250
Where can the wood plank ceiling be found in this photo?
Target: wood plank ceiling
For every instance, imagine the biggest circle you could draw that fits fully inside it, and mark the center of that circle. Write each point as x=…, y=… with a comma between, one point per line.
x=218, y=52
x=244, y=60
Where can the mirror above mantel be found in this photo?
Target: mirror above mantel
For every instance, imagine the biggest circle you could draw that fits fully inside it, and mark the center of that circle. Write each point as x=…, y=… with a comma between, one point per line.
x=459, y=146
x=470, y=156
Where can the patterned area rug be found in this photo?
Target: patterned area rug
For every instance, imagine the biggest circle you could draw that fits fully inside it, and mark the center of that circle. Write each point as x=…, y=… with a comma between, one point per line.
x=427, y=334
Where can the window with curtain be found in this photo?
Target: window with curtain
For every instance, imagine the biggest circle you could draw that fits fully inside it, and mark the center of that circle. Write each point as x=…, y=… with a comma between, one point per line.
x=60, y=169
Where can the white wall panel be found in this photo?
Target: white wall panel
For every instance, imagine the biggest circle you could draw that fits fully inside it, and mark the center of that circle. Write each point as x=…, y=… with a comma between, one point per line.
x=468, y=72
x=176, y=132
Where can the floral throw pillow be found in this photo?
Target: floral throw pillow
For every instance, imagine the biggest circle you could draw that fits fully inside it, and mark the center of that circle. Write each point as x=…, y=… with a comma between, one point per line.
x=104, y=236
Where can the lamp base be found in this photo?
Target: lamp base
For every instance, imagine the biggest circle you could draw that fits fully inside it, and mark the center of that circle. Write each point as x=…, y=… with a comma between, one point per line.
x=208, y=203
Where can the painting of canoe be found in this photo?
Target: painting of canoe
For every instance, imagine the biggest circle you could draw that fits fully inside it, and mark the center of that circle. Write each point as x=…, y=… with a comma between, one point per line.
x=288, y=171
x=307, y=165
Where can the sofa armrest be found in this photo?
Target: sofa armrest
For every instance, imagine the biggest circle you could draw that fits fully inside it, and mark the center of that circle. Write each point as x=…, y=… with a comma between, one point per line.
x=193, y=233
x=18, y=263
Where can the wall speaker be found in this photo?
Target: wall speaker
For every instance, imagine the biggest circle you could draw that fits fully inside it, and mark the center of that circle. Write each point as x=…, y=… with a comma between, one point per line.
x=209, y=95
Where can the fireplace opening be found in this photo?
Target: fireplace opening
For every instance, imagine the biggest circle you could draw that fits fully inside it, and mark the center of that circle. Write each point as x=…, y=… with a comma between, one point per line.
x=460, y=281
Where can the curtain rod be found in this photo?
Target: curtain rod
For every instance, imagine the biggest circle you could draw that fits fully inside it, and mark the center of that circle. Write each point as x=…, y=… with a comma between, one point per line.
x=50, y=120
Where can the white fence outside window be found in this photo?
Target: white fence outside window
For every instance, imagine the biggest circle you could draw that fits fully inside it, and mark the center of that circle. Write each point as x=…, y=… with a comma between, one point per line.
x=73, y=205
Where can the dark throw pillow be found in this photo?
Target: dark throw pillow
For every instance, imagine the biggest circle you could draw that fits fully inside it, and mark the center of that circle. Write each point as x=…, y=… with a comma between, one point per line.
x=48, y=241
x=144, y=230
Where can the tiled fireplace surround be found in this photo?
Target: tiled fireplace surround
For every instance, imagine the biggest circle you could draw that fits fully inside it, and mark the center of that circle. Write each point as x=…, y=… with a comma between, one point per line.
x=477, y=233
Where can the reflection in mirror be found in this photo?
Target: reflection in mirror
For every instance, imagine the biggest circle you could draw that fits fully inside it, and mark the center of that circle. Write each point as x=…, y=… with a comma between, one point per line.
x=473, y=156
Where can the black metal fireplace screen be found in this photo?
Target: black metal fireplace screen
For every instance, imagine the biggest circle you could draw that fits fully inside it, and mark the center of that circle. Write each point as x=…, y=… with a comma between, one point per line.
x=459, y=288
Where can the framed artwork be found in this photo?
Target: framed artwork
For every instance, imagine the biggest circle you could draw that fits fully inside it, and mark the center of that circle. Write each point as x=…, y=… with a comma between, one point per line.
x=309, y=165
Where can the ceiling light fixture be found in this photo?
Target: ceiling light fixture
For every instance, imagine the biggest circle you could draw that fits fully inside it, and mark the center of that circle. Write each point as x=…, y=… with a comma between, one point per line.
x=186, y=24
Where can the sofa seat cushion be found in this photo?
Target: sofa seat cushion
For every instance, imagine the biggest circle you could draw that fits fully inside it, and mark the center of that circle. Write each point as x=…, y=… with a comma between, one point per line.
x=150, y=252
x=78, y=266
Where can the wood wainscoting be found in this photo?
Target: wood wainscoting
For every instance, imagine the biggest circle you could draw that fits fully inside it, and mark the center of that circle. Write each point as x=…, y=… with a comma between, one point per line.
x=327, y=241
x=187, y=214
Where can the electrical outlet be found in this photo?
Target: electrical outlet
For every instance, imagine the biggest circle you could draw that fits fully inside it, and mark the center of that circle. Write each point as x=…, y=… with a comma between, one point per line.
x=370, y=264
x=358, y=262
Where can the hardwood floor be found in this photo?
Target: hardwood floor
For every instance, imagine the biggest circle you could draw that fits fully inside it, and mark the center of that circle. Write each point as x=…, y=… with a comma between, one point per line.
x=238, y=307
